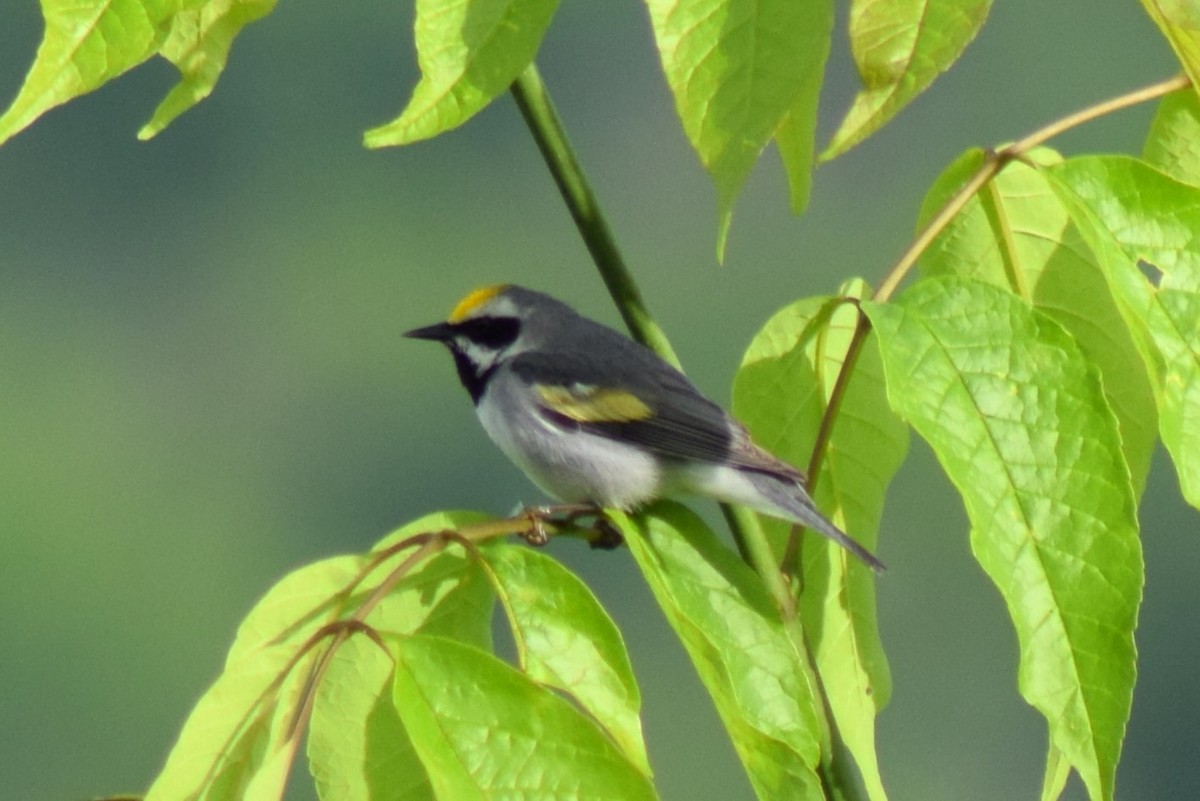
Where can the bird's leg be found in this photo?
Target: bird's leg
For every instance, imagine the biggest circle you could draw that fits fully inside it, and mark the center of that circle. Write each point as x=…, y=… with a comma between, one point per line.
x=561, y=514
x=537, y=535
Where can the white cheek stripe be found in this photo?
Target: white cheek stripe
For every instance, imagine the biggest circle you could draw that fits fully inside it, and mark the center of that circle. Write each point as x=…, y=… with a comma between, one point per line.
x=480, y=356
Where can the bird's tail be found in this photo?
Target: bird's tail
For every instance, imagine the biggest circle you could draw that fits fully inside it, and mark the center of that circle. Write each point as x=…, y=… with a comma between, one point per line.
x=791, y=502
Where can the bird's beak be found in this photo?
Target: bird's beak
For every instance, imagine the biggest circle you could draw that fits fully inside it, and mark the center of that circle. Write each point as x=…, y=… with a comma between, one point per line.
x=441, y=332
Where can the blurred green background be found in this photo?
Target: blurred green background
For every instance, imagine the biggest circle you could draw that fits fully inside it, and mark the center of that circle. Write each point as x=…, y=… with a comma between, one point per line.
x=203, y=383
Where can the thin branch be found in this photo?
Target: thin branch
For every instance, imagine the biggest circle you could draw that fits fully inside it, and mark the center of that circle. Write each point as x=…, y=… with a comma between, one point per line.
x=1137, y=96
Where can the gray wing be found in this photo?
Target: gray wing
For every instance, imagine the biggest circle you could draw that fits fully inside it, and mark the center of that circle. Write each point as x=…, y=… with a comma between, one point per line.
x=681, y=423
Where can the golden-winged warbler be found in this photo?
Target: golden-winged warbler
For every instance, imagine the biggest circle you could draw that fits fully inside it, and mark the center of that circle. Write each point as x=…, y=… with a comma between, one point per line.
x=594, y=417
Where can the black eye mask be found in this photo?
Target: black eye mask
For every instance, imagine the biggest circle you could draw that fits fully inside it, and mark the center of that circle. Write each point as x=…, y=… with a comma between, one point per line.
x=491, y=332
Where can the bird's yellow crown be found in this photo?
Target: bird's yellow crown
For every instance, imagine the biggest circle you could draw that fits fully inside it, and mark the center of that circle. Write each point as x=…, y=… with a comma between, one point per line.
x=474, y=300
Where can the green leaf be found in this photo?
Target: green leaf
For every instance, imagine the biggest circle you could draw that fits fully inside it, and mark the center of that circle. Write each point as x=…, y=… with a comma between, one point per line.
x=1134, y=215
x=796, y=134
x=239, y=741
x=486, y=730
x=1152, y=216
x=900, y=47
x=1173, y=144
x=1017, y=417
x=566, y=640
x=85, y=44
x=469, y=51
x=739, y=70
x=1017, y=234
x=1179, y=20
x=1058, y=770
x=357, y=745
x=198, y=45
x=312, y=596
x=741, y=651
x=1176, y=328
x=358, y=748
x=796, y=138
x=235, y=743
x=241, y=723
x=780, y=393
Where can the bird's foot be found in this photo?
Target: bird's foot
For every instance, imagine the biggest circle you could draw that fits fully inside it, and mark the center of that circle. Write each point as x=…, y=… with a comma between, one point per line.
x=600, y=533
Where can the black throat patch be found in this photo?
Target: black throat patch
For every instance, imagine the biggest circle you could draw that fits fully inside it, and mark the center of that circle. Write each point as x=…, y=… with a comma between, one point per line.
x=474, y=379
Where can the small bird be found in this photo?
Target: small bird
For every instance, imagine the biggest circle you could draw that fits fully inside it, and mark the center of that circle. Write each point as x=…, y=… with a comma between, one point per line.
x=593, y=417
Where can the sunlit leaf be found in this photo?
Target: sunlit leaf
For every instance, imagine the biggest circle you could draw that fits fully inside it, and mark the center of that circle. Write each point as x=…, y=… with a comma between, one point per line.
x=1058, y=770
x=900, y=47
x=738, y=645
x=1016, y=233
x=780, y=392
x=740, y=69
x=566, y=640
x=357, y=745
x=796, y=139
x=486, y=730
x=87, y=43
x=1137, y=218
x=1173, y=144
x=199, y=45
x=469, y=51
x=1017, y=417
x=1179, y=20
x=240, y=738
x=241, y=722
x=236, y=735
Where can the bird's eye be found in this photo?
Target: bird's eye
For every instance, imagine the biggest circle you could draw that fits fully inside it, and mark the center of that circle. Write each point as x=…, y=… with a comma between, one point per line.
x=491, y=332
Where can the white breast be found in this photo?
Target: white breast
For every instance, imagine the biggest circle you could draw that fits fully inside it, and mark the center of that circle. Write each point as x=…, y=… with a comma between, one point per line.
x=573, y=466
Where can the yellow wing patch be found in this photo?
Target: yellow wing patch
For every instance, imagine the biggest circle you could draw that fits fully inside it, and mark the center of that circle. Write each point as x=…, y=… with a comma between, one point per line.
x=474, y=300
x=587, y=404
